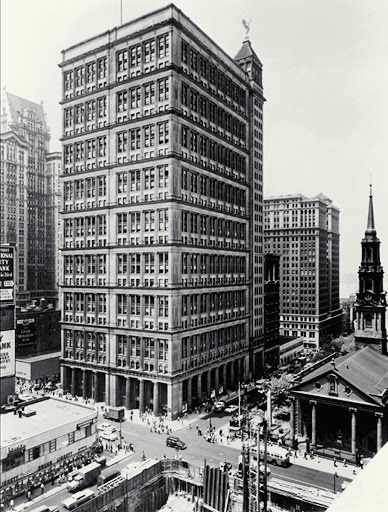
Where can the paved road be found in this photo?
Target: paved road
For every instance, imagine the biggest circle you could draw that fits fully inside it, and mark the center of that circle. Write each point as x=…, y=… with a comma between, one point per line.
x=154, y=445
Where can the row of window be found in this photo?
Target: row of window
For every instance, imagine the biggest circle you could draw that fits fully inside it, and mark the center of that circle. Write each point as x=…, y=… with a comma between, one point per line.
x=89, y=264
x=142, y=95
x=146, y=137
x=208, y=148
x=214, y=189
x=212, y=112
x=212, y=264
x=85, y=74
x=199, y=64
x=145, y=52
x=196, y=223
x=207, y=341
x=86, y=188
x=195, y=304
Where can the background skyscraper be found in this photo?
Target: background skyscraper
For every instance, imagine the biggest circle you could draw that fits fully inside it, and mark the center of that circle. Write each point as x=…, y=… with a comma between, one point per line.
x=28, y=207
x=305, y=233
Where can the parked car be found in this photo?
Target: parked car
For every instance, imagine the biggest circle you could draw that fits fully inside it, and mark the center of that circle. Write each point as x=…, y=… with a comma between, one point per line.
x=25, y=398
x=231, y=409
x=175, y=442
x=108, y=436
x=78, y=498
x=219, y=406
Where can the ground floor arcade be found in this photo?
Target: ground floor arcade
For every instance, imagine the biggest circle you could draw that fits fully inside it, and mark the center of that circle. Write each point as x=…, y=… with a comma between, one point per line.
x=338, y=429
x=160, y=394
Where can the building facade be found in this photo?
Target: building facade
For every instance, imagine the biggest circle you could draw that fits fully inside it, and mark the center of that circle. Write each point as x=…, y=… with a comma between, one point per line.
x=371, y=304
x=161, y=215
x=54, y=163
x=28, y=198
x=305, y=232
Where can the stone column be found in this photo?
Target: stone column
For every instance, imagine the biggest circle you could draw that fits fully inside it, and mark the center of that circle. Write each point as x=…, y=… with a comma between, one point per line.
x=128, y=393
x=353, y=411
x=313, y=423
x=107, y=389
x=96, y=386
x=232, y=374
x=84, y=384
x=73, y=381
x=156, y=399
x=209, y=383
x=141, y=395
x=299, y=418
x=224, y=383
x=292, y=420
x=217, y=379
x=199, y=387
x=379, y=429
x=65, y=378
x=189, y=392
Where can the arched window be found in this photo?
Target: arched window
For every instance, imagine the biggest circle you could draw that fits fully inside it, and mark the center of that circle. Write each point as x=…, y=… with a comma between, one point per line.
x=333, y=384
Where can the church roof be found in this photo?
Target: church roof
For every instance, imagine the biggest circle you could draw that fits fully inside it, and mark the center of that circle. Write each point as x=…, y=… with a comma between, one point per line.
x=18, y=104
x=247, y=52
x=365, y=369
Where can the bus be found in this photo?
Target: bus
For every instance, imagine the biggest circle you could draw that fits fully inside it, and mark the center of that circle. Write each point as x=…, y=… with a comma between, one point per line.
x=276, y=455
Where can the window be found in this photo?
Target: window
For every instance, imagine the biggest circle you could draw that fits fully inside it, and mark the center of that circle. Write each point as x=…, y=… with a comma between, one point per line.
x=163, y=89
x=71, y=437
x=122, y=60
x=52, y=445
x=333, y=384
x=163, y=132
x=163, y=46
x=149, y=94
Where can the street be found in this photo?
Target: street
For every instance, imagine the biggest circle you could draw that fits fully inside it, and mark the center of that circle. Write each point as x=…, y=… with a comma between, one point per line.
x=198, y=450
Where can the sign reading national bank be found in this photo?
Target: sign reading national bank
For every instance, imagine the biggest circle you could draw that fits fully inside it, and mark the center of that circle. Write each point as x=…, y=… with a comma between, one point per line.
x=6, y=274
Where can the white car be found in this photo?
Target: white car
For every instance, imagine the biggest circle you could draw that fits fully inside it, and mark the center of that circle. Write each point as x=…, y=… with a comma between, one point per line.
x=108, y=436
x=77, y=499
x=25, y=397
x=219, y=406
x=106, y=427
x=231, y=409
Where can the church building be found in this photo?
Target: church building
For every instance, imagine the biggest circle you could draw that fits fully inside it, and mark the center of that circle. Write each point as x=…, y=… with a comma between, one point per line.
x=341, y=405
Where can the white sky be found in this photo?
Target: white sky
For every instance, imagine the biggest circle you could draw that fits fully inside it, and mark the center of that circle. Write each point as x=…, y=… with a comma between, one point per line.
x=325, y=79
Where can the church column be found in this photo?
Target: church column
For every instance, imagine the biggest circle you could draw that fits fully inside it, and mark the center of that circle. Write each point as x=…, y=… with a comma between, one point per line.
x=73, y=381
x=189, y=392
x=84, y=384
x=313, y=423
x=141, y=395
x=379, y=429
x=299, y=418
x=292, y=420
x=353, y=410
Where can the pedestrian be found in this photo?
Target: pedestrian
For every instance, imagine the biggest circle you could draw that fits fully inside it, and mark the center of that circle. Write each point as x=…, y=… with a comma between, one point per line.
x=335, y=462
x=29, y=495
x=12, y=504
x=42, y=488
x=344, y=463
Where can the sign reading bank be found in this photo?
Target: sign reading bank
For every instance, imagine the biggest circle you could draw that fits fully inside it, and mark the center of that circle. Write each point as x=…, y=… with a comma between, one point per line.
x=7, y=353
x=6, y=274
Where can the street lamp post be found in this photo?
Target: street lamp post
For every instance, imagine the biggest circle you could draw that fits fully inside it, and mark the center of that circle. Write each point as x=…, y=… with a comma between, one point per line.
x=334, y=479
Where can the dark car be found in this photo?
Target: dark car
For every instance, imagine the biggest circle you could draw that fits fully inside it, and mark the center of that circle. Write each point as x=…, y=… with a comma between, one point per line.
x=175, y=442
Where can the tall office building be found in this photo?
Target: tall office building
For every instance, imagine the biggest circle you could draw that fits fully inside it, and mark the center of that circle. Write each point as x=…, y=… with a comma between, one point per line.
x=162, y=215
x=27, y=197
x=305, y=232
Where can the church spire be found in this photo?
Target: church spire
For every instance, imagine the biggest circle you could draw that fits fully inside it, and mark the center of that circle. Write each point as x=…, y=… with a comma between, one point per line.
x=370, y=230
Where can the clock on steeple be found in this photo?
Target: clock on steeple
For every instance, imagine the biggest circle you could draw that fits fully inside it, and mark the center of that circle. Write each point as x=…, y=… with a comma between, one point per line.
x=371, y=303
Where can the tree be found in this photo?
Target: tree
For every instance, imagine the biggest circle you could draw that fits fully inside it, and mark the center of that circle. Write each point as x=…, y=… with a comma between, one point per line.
x=279, y=390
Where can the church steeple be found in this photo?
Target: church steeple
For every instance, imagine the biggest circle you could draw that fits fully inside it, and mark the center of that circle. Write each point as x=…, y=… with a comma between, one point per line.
x=371, y=304
x=370, y=229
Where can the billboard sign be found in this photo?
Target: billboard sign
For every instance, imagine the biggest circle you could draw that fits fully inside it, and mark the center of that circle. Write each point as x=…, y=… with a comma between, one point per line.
x=7, y=353
x=6, y=274
x=25, y=332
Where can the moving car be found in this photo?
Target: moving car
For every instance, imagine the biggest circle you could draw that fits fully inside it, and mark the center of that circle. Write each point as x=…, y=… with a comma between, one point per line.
x=219, y=406
x=231, y=409
x=108, y=436
x=78, y=498
x=175, y=442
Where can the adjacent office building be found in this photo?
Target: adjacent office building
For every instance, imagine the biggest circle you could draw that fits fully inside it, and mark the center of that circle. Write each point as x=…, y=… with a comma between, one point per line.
x=305, y=233
x=162, y=250
x=27, y=198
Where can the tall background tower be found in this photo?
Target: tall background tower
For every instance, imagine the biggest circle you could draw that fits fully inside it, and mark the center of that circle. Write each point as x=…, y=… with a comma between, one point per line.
x=28, y=206
x=370, y=305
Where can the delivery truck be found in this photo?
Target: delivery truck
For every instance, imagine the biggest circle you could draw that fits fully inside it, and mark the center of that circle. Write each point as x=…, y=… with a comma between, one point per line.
x=85, y=476
x=114, y=413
